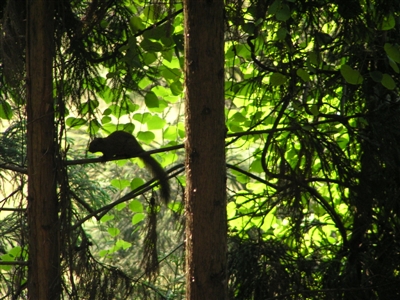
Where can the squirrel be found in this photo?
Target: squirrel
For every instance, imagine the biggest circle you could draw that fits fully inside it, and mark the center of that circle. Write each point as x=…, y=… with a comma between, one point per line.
x=124, y=144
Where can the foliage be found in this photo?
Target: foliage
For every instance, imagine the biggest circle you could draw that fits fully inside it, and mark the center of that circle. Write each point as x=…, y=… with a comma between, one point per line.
x=312, y=117
x=314, y=101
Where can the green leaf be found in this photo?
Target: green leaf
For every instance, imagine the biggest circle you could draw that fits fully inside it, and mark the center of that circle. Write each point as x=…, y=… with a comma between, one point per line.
x=149, y=58
x=277, y=79
x=146, y=136
x=240, y=177
x=142, y=118
x=161, y=91
x=88, y=106
x=281, y=33
x=107, y=218
x=106, y=94
x=388, y=82
x=137, y=218
x=135, y=23
x=323, y=38
x=273, y=8
x=168, y=54
x=136, y=182
x=136, y=206
x=123, y=244
x=151, y=12
x=5, y=110
x=376, y=76
x=16, y=251
x=350, y=75
x=342, y=142
x=117, y=110
x=151, y=100
x=156, y=33
x=120, y=183
x=303, y=74
x=113, y=231
x=256, y=166
x=6, y=257
x=105, y=120
x=75, y=122
x=120, y=206
x=176, y=88
x=392, y=51
x=151, y=46
x=156, y=123
x=171, y=74
x=170, y=133
x=314, y=110
x=388, y=22
x=283, y=14
x=249, y=27
x=313, y=58
x=103, y=253
x=94, y=127
x=235, y=128
x=238, y=117
x=167, y=41
x=128, y=127
x=393, y=65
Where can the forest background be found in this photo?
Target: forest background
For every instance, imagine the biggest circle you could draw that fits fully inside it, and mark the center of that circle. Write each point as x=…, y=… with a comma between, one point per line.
x=312, y=124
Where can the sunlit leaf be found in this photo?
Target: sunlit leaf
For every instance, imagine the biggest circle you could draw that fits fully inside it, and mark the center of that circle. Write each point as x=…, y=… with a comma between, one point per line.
x=256, y=166
x=123, y=244
x=107, y=218
x=146, y=136
x=120, y=206
x=136, y=24
x=5, y=110
x=136, y=182
x=120, y=183
x=137, y=218
x=75, y=122
x=155, y=122
x=113, y=231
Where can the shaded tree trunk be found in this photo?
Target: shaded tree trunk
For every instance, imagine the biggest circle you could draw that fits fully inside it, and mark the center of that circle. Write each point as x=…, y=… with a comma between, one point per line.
x=44, y=271
x=205, y=151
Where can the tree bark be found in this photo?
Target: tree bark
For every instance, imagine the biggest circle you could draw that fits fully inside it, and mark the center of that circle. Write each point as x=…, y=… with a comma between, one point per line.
x=206, y=226
x=44, y=259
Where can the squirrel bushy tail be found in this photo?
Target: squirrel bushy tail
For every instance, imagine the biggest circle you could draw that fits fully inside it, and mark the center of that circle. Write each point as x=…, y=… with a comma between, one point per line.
x=160, y=174
x=123, y=144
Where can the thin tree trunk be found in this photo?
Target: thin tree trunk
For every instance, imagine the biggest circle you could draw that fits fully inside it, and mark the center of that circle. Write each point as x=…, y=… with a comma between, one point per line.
x=44, y=259
x=205, y=151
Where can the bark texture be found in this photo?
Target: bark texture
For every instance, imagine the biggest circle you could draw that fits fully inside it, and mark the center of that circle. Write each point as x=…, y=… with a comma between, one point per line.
x=205, y=150
x=44, y=265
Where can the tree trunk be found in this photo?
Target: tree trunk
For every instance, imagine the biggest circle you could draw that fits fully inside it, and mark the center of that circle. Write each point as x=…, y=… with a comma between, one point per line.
x=205, y=151
x=44, y=259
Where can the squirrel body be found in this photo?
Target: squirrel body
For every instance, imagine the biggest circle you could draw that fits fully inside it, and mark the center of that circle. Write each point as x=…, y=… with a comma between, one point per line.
x=124, y=144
